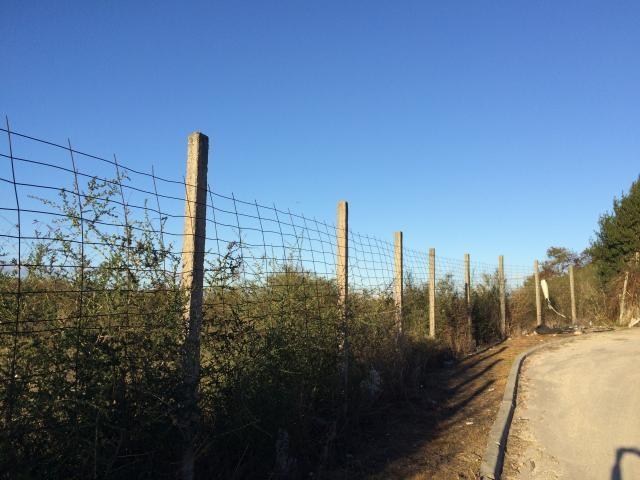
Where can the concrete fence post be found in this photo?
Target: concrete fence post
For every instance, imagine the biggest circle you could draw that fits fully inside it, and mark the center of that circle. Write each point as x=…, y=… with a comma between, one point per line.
x=432, y=292
x=536, y=274
x=192, y=279
x=467, y=292
x=342, y=279
x=342, y=267
x=398, y=280
x=572, y=287
x=503, y=297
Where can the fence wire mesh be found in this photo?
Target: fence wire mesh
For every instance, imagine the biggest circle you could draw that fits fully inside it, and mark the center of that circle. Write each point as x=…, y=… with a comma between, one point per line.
x=91, y=317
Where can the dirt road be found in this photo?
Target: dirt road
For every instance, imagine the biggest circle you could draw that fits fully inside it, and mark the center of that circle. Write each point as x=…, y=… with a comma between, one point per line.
x=578, y=412
x=440, y=433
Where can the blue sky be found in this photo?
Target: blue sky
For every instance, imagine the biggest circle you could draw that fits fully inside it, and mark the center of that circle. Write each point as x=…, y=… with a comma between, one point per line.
x=487, y=127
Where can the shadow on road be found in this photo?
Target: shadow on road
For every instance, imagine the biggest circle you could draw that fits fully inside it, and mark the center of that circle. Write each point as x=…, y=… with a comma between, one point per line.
x=475, y=376
x=481, y=358
x=616, y=472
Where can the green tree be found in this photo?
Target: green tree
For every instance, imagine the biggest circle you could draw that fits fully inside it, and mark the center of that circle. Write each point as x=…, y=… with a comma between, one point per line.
x=618, y=237
x=559, y=259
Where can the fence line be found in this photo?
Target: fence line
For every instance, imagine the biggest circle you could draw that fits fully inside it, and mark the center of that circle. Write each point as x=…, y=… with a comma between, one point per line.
x=95, y=291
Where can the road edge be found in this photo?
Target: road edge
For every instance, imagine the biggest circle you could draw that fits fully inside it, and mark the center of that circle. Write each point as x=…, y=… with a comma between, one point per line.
x=493, y=458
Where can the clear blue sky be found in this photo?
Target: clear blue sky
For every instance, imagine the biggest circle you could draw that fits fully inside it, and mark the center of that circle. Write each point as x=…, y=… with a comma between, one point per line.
x=488, y=127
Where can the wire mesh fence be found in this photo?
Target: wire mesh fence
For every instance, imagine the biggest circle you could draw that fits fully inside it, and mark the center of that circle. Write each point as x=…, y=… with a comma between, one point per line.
x=92, y=322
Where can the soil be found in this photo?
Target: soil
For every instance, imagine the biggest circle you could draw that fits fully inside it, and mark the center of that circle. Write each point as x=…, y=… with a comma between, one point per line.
x=440, y=433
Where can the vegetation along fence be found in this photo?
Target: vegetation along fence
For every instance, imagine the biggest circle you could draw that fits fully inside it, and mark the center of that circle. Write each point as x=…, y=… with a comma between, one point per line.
x=150, y=325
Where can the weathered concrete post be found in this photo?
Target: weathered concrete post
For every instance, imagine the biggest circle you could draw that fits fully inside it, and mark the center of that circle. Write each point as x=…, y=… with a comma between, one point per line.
x=467, y=292
x=503, y=298
x=192, y=279
x=572, y=287
x=398, y=280
x=342, y=267
x=536, y=274
x=342, y=279
x=432, y=292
